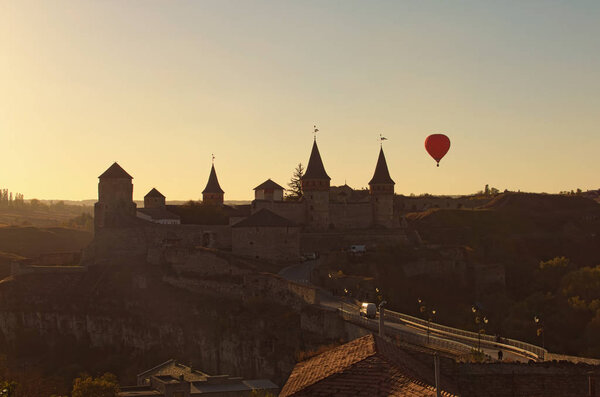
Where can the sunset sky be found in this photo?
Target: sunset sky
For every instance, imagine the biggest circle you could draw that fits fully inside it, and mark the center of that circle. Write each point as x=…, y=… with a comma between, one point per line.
x=160, y=85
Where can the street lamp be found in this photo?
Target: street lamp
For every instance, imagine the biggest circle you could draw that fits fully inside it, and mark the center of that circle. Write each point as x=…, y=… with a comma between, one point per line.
x=540, y=329
x=429, y=318
x=428, y=314
x=480, y=321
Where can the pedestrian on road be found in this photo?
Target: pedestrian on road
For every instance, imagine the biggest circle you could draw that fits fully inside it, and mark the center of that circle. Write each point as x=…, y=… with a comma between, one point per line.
x=500, y=354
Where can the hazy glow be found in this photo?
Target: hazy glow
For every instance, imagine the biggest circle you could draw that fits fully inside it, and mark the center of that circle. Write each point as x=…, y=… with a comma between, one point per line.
x=159, y=86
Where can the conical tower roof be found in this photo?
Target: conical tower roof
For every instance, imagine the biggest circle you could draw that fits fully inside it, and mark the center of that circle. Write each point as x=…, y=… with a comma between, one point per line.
x=382, y=175
x=115, y=171
x=315, y=168
x=213, y=183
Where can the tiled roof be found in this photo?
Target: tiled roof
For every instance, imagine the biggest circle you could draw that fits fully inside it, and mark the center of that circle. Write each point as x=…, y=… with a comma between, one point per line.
x=115, y=171
x=213, y=183
x=265, y=217
x=315, y=168
x=366, y=366
x=268, y=184
x=381, y=175
x=175, y=370
x=158, y=213
x=154, y=193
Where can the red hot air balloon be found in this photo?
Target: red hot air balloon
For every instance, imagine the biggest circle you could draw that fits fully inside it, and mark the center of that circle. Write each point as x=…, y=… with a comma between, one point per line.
x=437, y=145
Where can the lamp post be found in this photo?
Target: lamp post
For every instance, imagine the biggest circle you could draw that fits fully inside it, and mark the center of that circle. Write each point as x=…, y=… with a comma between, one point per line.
x=540, y=329
x=429, y=318
x=480, y=321
x=429, y=314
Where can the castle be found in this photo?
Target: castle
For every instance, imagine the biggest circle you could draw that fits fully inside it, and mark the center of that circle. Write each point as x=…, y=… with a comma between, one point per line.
x=270, y=227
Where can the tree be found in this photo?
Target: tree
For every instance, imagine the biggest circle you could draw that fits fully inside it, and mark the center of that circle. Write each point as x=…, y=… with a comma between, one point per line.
x=295, y=186
x=103, y=386
x=7, y=389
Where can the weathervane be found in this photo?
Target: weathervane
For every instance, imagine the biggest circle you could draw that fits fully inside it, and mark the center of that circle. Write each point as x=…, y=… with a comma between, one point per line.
x=213, y=158
x=315, y=131
x=381, y=139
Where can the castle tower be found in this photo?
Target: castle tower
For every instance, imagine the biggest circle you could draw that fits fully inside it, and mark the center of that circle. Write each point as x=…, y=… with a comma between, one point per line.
x=381, y=190
x=115, y=198
x=212, y=193
x=315, y=191
x=154, y=199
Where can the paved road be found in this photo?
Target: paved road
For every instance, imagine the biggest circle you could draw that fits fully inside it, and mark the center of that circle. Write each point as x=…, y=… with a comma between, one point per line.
x=301, y=273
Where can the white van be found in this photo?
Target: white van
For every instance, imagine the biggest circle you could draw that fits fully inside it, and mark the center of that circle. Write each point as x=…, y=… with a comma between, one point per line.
x=358, y=249
x=368, y=310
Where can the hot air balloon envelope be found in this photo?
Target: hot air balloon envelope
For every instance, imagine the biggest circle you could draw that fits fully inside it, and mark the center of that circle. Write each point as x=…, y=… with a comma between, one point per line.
x=437, y=145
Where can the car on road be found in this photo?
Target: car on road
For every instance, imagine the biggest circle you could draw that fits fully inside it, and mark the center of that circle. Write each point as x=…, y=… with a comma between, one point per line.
x=368, y=310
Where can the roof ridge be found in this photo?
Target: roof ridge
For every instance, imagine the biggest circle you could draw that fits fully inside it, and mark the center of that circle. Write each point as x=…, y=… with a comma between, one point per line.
x=115, y=171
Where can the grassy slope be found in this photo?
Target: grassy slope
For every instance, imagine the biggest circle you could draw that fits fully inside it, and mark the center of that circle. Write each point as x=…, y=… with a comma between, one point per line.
x=32, y=241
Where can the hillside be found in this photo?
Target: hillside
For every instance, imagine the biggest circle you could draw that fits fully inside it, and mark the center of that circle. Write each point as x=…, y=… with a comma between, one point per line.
x=32, y=241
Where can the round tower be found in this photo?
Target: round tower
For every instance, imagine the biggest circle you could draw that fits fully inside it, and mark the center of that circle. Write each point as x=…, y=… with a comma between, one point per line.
x=212, y=193
x=115, y=198
x=315, y=191
x=381, y=190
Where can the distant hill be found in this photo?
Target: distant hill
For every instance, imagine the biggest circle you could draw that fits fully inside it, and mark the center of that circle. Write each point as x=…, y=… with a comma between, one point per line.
x=541, y=202
x=32, y=241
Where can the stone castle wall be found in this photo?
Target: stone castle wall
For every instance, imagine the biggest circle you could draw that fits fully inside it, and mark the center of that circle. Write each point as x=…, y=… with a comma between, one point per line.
x=270, y=243
x=416, y=204
x=351, y=215
x=293, y=210
x=330, y=241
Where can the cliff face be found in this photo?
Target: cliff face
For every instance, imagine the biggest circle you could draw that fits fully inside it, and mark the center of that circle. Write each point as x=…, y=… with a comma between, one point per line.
x=127, y=319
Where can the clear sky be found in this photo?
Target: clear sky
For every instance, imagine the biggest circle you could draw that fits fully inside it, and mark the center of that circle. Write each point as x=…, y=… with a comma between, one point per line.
x=160, y=85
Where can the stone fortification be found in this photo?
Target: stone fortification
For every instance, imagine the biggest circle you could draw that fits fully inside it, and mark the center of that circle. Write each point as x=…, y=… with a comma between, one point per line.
x=292, y=210
x=342, y=240
x=351, y=215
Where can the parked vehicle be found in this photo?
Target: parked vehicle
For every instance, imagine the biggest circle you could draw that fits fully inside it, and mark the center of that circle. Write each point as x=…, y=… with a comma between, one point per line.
x=358, y=249
x=310, y=256
x=368, y=310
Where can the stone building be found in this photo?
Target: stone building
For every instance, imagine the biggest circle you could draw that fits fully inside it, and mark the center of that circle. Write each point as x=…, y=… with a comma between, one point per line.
x=212, y=193
x=154, y=199
x=325, y=207
x=155, y=209
x=266, y=235
x=315, y=192
x=381, y=189
x=173, y=379
x=115, y=206
x=269, y=190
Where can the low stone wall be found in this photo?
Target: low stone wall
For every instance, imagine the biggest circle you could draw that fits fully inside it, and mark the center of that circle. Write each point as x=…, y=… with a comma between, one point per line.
x=18, y=268
x=248, y=287
x=571, y=359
